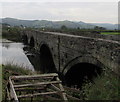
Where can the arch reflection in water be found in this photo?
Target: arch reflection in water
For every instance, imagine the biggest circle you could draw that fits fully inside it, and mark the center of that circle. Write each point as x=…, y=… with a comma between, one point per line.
x=32, y=42
x=46, y=59
x=33, y=57
x=42, y=61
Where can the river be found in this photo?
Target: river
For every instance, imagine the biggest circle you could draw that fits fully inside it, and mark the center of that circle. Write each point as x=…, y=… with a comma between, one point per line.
x=18, y=54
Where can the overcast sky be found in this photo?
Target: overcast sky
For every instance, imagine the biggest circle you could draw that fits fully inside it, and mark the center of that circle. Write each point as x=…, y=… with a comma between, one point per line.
x=99, y=12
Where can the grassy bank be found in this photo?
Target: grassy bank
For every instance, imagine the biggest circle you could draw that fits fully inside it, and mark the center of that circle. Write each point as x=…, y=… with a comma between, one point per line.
x=11, y=33
x=105, y=87
x=10, y=70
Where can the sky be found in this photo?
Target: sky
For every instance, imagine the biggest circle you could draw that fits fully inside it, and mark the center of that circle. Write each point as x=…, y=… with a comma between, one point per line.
x=99, y=11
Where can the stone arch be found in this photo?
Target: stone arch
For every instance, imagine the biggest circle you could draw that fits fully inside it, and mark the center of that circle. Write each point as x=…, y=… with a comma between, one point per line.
x=80, y=69
x=46, y=59
x=25, y=39
x=82, y=59
x=32, y=42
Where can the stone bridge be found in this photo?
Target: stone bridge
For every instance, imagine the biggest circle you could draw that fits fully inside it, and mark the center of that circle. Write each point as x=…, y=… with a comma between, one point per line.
x=72, y=55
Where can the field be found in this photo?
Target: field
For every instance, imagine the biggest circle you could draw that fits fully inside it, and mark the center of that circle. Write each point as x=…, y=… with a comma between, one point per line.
x=110, y=33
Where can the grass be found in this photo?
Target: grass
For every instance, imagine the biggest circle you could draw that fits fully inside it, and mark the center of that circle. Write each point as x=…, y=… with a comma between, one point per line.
x=10, y=70
x=105, y=87
x=110, y=33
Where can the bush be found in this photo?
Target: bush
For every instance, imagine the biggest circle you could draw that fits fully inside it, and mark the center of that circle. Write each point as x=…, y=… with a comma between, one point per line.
x=105, y=87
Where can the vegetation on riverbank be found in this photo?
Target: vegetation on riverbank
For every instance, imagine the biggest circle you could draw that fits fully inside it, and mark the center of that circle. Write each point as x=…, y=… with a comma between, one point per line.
x=11, y=33
x=105, y=87
x=10, y=70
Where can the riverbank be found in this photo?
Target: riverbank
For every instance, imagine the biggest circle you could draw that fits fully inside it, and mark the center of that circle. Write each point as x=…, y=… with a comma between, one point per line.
x=11, y=70
x=11, y=33
x=5, y=41
x=105, y=87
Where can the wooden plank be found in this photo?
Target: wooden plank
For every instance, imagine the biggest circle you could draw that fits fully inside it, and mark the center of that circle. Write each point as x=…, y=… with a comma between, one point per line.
x=56, y=88
x=62, y=89
x=29, y=89
x=8, y=94
x=37, y=84
x=26, y=82
x=38, y=94
x=12, y=91
x=34, y=76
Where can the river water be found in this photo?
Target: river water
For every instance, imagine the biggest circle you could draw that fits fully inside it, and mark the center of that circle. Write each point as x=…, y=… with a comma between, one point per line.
x=16, y=53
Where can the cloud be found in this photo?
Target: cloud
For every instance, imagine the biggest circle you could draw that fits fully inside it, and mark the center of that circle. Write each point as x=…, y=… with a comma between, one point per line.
x=77, y=11
x=59, y=0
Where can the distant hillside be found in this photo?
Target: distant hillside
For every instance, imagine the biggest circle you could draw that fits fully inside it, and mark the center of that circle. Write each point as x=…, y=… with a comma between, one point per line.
x=45, y=23
x=106, y=25
x=17, y=22
x=54, y=24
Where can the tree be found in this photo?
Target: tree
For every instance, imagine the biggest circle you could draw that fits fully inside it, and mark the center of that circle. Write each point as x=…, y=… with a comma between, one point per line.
x=99, y=28
x=63, y=27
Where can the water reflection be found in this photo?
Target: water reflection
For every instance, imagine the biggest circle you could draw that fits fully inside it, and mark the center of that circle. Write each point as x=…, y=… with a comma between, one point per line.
x=13, y=53
x=23, y=55
x=35, y=59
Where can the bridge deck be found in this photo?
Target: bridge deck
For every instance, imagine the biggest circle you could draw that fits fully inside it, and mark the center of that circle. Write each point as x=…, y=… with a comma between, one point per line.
x=77, y=36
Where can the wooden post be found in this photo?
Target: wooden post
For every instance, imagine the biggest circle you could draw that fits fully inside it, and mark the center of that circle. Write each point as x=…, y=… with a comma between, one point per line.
x=62, y=89
x=12, y=91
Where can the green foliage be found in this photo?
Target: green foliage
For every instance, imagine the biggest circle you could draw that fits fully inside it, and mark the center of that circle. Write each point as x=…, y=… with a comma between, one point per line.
x=99, y=28
x=110, y=33
x=63, y=27
x=11, y=33
x=105, y=87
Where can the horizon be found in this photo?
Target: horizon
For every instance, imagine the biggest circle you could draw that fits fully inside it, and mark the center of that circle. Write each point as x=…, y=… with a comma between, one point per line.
x=58, y=20
x=89, y=12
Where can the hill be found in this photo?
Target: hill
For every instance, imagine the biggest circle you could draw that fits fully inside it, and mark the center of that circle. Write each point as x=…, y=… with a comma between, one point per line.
x=55, y=24
x=106, y=25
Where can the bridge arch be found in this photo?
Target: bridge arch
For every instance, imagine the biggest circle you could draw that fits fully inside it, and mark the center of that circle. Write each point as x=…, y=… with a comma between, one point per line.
x=25, y=39
x=46, y=59
x=32, y=42
x=81, y=69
